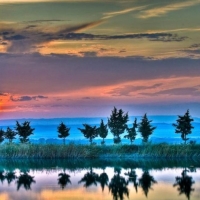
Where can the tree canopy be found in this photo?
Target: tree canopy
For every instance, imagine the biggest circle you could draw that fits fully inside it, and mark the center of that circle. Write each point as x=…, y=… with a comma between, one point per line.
x=184, y=126
x=63, y=131
x=102, y=131
x=2, y=134
x=145, y=128
x=10, y=134
x=117, y=123
x=132, y=132
x=89, y=132
x=24, y=131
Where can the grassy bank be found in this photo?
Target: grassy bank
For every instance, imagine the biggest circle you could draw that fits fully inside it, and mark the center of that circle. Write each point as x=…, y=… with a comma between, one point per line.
x=53, y=151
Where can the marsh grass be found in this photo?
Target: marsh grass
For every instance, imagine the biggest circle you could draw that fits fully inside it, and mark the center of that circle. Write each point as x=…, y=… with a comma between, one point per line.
x=54, y=151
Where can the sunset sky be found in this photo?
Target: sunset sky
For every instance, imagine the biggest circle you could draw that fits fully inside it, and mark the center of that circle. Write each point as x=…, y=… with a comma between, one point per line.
x=80, y=58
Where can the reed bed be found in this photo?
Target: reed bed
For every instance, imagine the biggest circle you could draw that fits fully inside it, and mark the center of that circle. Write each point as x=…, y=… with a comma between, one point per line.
x=54, y=151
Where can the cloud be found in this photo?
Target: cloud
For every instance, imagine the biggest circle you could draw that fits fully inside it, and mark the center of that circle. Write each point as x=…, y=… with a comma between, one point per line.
x=185, y=91
x=158, y=11
x=124, y=11
x=4, y=94
x=129, y=90
x=27, y=98
x=61, y=74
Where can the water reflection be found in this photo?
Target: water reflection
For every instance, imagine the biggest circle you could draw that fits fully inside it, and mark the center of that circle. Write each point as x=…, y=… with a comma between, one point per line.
x=89, y=179
x=118, y=180
x=118, y=186
x=25, y=180
x=63, y=180
x=184, y=184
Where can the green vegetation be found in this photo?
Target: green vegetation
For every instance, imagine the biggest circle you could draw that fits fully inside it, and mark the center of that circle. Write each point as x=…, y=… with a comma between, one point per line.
x=184, y=126
x=53, y=151
x=145, y=128
x=117, y=123
x=24, y=131
x=63, y=131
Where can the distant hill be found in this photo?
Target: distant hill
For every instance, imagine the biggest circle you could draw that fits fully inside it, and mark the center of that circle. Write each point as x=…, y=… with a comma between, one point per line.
x=47, y=128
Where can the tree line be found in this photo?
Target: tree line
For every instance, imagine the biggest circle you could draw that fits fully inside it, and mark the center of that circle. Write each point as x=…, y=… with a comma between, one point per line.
x=117, y=124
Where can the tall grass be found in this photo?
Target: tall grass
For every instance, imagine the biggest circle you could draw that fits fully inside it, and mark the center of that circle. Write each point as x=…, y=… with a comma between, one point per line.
x=54, y=151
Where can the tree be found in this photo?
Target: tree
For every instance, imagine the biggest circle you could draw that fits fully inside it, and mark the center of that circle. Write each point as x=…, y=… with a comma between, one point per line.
x=89, y=132
x=183, y=125
x=63, y=131
x=102, y=131
x=132, y=132
x=10, y=134
x=145, y=128
x=103, y=180
x=117, y=123
x=24, y=131
x=2, y=134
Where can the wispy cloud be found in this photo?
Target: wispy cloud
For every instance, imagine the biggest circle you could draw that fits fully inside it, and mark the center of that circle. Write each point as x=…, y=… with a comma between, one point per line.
x=27, y=98
x=155, y=12
x=121, y=12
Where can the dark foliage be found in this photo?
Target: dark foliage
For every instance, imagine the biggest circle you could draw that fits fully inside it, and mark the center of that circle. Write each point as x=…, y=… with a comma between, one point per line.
x=132, y=178
x=132, y=132
x=184, y=126
x=24, y=131
x=89, y=132
x=10, y=134
x=103, y=180
x=145, y=128
x=63, y=131
x=2, y=135
x=117, y=123
x=102, y=131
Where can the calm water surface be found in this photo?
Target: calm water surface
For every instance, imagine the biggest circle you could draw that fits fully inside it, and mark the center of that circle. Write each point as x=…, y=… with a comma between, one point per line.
x=99, y=179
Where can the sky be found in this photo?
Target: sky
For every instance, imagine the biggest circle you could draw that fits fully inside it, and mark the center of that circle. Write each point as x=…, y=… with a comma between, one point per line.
x=80, y=58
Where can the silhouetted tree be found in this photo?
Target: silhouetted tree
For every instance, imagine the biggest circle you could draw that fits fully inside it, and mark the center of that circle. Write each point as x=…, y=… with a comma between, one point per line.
x=24, y=131
x=145, y=128
x=63, y=131
x=102, y=131
x=117, y=123
x=132, y=178
x=90, y=178
x=118, y=186
x=26, y=180
x=132, y=132
x=103, y=180
x=184, y=184
x=89, y=132
x=184, y=126
x=2, y=134
x=10, y=176
x=146, y=181
x=63, y=180
x=10, y=134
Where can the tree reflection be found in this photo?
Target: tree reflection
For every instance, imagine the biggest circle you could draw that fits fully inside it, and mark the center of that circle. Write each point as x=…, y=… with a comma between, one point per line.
x=90, y=178
x=10, y=176
x=118, y=186
x=103, y=180
x=184, y=184
x=2, y=176
x=26, y=180
x=132, y=178
x=146, y=182
x=63, y=180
